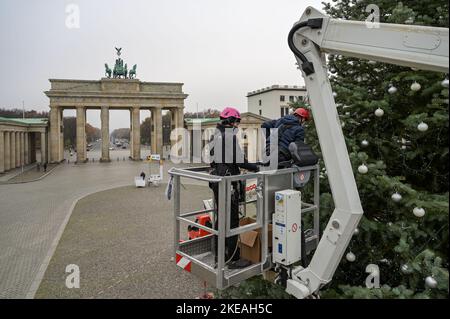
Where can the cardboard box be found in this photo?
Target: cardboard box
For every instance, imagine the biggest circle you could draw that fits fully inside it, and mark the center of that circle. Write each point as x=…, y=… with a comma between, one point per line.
x=250, y=242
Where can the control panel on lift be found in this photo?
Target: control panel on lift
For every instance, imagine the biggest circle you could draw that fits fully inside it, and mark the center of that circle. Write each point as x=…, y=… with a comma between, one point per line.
x=286, y=227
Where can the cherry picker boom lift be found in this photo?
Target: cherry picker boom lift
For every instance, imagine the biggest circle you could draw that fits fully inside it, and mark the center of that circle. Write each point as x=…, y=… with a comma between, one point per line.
x=313, y=36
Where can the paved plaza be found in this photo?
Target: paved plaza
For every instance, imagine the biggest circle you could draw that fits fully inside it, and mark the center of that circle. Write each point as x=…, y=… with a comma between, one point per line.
x=122, y=242
x=33, y=217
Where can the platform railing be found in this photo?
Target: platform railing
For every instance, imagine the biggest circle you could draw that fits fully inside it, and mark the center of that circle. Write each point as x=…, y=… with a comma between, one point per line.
x=267, y=183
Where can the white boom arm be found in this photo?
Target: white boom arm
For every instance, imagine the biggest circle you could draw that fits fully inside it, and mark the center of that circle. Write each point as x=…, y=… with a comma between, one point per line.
x=315, y=34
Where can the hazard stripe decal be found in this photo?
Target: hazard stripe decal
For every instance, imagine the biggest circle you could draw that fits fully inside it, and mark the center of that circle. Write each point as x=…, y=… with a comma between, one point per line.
x=183, y=262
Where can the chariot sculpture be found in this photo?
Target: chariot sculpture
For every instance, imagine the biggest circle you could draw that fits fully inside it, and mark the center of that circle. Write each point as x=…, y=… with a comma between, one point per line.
x=120, y=70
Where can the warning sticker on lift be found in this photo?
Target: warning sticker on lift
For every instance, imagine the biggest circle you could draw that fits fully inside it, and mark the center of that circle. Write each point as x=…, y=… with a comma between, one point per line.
x=183, y=262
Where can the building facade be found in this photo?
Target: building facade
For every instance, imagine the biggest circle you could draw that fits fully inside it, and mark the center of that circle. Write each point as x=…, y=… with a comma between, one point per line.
x=22, y=142
x=273, y=102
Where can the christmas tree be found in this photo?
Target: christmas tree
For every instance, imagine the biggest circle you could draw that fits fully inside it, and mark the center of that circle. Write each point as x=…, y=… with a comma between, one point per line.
x=395, y=120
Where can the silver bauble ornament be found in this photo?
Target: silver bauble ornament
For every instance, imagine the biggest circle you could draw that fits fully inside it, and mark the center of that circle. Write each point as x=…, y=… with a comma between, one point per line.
x=396, y=197
x=379, y=112
x=364, y=143
x=419, y=212
x=430, y=282
x=363, y=169
x=422, y=126
x=333, y=70
x=415, y=87
x=350, y=257
x=356, y=231
x=372, y=62
x=334, y=94
x=405, y=269
x=444, y=83
x=392, y=90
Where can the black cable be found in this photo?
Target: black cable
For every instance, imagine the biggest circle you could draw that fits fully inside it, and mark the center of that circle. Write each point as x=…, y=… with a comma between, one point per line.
x=307, y=66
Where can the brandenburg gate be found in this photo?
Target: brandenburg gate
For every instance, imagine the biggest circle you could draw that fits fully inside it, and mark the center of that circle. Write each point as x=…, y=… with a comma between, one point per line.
x=119, y=92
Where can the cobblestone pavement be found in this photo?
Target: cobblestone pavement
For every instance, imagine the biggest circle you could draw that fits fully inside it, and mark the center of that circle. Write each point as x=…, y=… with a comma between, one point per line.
x=122, y=242
x=33, y=216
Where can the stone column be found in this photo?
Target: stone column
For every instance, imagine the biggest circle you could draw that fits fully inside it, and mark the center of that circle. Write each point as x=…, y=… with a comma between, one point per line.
x=32, y=147
x=176, y=118
x=2, y=152
x=55, y=135
x=180, y=117
x=61, y=134
x=43, y=148
x=156, y=131
x=17, y=135
x=26, y=148
x=81, y=135
x=104, y=116
x=131, y=133
x=136, y=133
x=7, y=151
x=12, y=145
x=22, y=148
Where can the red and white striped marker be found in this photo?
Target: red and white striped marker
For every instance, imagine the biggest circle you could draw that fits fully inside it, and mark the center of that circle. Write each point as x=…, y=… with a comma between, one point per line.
x=183, y=262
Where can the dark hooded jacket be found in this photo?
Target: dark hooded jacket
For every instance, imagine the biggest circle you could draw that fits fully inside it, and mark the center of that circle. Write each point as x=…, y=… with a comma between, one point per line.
x=289, y=130
x=228, y=156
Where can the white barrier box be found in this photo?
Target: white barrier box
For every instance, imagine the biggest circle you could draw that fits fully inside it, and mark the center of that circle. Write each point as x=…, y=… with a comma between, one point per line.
x=139, y=181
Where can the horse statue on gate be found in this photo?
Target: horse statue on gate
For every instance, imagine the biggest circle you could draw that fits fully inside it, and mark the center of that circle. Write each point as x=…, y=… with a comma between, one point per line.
x=108, y=71
x=132, y=73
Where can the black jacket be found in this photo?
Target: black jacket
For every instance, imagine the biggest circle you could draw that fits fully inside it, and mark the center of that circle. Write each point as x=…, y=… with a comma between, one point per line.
x=226, y=154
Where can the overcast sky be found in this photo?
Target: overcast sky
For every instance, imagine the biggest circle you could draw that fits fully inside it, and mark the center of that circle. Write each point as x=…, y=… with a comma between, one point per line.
x=220, y=50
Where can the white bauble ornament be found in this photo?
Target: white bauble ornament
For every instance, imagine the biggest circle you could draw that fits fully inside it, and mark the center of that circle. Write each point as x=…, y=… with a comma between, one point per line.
x=350, y=257
x=364, y=143
x=410, y=20
x=372, y=62
x=444, y=83
x=396, y=197
x=356, y=231
x=415, y=87
x=363, y=169
x=392, y=90
x=419, y=212
x=334, y=94
x=430, y=282
x=422, y=126
x=405, y=269
x=379, y=112
x=333, y=70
